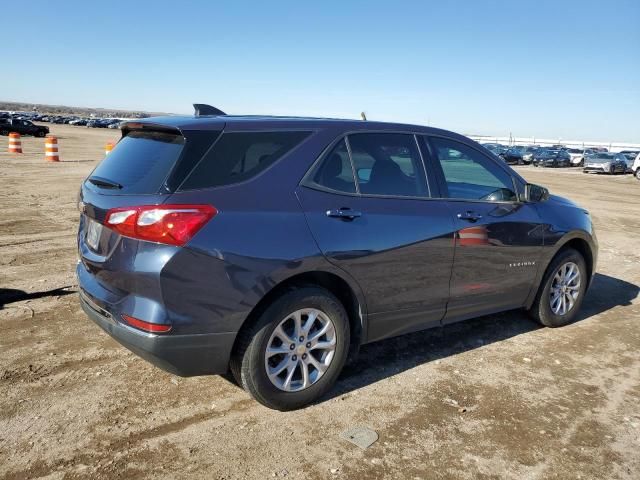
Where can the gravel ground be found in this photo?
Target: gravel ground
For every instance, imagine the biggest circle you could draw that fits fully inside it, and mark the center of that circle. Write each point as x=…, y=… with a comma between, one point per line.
x=494, y=397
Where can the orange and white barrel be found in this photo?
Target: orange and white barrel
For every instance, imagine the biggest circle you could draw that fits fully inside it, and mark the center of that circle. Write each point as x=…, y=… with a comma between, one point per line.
x=107, y=148
x=15, y=145
x=473, y=236
x=51, y=149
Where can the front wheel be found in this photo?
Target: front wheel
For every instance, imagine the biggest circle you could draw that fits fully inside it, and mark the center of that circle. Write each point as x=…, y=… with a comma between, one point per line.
x=637, y=174
x=295, y=350
x=562, y=290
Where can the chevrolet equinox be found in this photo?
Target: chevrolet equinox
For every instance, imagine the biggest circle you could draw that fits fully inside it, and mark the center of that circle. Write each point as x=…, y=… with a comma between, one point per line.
x=274, y=247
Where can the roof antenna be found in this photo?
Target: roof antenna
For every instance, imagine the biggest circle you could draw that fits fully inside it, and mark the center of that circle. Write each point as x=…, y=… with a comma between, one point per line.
x=204, y=109
x=364, y=116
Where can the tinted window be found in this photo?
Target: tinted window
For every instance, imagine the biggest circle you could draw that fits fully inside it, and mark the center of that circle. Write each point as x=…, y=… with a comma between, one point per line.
x=388, y=164
x=335, y=171
x=140, y=162
x=239, y=156
x=471, y=175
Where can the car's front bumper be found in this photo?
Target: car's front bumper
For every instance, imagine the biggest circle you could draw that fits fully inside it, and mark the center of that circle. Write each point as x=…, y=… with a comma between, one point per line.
x=596, y=168
x=184, y=355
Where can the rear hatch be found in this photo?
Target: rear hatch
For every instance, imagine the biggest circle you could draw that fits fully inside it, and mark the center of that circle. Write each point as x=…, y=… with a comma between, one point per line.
x=143, y=170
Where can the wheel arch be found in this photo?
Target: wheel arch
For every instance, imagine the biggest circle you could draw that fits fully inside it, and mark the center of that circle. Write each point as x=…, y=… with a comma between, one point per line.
x=344, y=290
x=576, y=240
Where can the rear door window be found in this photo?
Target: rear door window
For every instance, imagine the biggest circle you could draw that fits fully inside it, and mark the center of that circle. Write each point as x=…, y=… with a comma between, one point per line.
x=140, y=163
x=239, y=156
x=388, y=164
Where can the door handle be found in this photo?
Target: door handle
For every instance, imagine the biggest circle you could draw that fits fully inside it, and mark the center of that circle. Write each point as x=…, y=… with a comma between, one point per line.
x=343, y=213
x=469, y=216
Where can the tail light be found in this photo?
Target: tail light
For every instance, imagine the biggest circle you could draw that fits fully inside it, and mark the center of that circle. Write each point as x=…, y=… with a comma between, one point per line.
x=169, y=224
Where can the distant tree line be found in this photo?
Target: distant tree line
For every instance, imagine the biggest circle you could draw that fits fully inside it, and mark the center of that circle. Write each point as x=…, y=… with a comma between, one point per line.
x=65, y=110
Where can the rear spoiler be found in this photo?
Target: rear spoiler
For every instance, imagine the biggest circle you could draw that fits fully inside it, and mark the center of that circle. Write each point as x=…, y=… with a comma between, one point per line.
x=127, y=127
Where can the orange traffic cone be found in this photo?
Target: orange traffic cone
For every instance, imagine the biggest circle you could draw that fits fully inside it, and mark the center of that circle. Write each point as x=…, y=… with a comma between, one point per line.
x=15, y=145
x=107, y=148
x=51, y=149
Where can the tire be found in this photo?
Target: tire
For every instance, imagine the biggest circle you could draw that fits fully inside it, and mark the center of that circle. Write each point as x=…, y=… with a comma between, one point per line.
x=612, y=170
x=637, y=174
x=41, y=134
x=4, y=132
x=542, y=310
x=249, y=361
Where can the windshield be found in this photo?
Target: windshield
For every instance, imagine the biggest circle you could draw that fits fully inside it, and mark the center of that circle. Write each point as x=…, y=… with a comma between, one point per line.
x=604, y=156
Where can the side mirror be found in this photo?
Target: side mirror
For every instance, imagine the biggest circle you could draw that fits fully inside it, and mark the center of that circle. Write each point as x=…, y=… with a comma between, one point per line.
x=535, y=193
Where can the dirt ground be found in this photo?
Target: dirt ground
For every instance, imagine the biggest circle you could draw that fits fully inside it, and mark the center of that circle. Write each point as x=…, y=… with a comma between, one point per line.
x=495, y=397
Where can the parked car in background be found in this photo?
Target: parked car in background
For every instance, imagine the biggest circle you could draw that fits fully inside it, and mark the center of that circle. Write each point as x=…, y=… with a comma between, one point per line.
x=519, y=154
x=548, y=157
x=496, y=148
x=630, y=155
x=576, y=156
x=605, y=162
x=635, y=168
x=171, y=267
x=23, y=127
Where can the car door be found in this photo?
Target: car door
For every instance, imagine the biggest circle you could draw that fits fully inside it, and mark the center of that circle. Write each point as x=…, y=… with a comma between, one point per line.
x=369, y=207
x=499, y=238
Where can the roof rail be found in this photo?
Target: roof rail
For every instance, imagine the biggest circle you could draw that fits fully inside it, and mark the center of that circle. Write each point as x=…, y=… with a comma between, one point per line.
x=204, y=109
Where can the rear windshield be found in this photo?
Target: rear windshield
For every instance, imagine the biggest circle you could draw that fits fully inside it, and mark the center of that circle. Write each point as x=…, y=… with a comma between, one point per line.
x=139, y=164
x=239, y=156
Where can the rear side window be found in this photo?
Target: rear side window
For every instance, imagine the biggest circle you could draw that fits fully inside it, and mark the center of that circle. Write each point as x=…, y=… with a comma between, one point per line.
x=140, y=162
x=239, y=156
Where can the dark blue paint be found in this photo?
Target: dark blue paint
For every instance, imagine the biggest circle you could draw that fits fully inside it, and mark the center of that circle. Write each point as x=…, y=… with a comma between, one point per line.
x=404, y=259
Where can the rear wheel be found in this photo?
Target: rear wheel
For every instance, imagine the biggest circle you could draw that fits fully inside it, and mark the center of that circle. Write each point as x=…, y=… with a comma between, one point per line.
x=41, y=133
x=4, y=132
x=295, y=350
x=562, y=290
x=638, y=174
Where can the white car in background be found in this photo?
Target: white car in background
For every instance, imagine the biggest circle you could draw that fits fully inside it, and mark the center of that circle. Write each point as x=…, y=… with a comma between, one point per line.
x=632, y=157
x=635, y=168
x=577, y=156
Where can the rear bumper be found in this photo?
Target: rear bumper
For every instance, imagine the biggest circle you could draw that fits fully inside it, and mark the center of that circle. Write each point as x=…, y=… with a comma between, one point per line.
x=184, y=355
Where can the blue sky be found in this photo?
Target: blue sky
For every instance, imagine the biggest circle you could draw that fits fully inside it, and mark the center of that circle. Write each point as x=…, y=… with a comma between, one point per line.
x=554, y=69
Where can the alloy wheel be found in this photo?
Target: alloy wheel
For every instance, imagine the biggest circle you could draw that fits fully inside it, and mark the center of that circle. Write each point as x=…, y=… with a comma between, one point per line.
x=300, y=350
x=565, y=288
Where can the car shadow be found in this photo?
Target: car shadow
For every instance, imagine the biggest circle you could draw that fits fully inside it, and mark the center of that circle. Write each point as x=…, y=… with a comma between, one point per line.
x=12, y=295
x=386, y=358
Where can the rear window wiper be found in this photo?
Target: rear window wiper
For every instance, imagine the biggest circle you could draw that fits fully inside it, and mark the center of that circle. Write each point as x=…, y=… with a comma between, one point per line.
x=104, y=183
